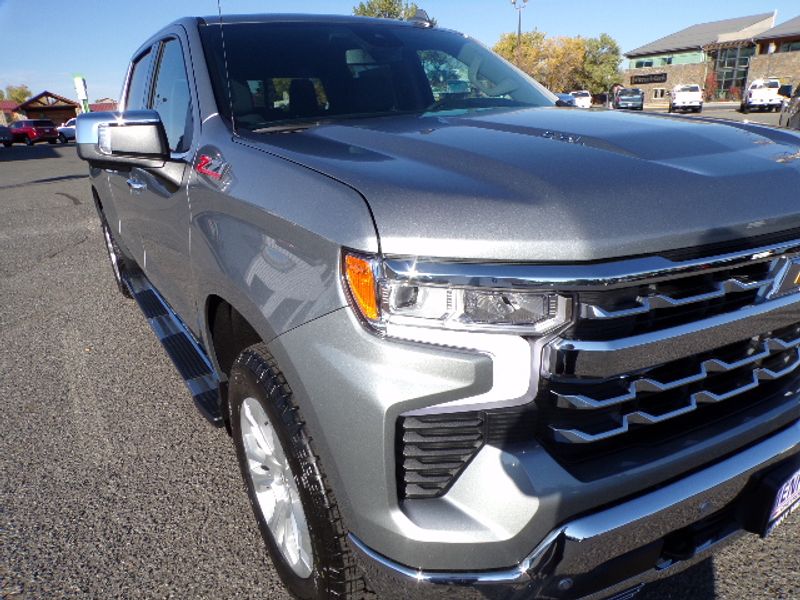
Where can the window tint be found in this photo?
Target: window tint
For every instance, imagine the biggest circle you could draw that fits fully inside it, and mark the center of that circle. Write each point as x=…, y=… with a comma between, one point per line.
x=171, y=96
x=138, y=83
x=42, y=123
x=295, y=71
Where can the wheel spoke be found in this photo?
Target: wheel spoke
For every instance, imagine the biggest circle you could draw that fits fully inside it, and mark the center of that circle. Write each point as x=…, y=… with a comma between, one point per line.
x=261, y=478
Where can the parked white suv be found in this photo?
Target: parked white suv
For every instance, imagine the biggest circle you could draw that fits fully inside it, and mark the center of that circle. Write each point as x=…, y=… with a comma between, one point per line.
x=583, y=98
x=763, y=95
x=686, y=97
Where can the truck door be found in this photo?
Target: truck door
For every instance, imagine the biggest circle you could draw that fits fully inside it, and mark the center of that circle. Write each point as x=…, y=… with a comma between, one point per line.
x=124, y=199
x=161, y=213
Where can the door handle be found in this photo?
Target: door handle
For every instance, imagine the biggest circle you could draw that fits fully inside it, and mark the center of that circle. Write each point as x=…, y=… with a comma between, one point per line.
x=135, y=184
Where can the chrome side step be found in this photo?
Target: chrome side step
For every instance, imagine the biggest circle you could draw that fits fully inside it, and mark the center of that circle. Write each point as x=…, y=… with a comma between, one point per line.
x=186, y=353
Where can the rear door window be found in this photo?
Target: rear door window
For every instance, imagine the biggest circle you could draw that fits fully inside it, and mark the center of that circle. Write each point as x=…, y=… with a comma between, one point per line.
x=171, y=96
x=135, y=99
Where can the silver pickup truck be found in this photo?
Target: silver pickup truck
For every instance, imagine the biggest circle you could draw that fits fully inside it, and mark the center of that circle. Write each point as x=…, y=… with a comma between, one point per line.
x=467, y=343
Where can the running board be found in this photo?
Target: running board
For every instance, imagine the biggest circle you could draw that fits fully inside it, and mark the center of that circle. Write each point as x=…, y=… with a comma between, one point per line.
x=186, y=353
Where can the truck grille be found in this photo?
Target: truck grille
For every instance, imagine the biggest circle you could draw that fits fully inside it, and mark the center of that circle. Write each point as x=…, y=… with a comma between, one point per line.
x=653, y=362
x=674, y=348
x=586, y=413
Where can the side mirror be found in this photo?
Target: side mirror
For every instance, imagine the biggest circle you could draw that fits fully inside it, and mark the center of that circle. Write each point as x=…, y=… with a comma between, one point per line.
x=130, y=139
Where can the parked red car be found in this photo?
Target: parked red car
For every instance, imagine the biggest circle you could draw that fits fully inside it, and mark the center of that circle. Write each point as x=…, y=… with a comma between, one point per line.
x=31, y=131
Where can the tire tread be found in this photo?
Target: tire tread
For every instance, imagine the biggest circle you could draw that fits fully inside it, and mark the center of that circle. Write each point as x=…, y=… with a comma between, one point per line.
x=344, y=580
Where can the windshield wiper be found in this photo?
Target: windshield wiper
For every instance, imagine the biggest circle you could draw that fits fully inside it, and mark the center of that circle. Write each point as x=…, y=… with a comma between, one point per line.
x=303, y=124
x=288, y=126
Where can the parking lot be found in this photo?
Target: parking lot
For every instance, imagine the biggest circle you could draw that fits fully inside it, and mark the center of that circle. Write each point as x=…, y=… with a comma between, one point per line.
x=726, y=110
x=113, y=486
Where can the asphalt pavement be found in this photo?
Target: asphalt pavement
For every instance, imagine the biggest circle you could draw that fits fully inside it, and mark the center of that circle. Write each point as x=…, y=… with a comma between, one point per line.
x=113, y=486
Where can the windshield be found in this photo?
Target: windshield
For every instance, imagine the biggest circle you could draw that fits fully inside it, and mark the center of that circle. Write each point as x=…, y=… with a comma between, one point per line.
x=312, y=71
x=630, y=92
x=689, y=88
x=42, y=123
x=581, y=94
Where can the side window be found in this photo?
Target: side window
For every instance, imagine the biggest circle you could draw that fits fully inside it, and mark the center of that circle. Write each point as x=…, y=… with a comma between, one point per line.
x=138, y=83
x=171, y=96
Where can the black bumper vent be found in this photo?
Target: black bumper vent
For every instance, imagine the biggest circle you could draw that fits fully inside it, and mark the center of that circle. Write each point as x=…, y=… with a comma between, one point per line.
x=433, y=450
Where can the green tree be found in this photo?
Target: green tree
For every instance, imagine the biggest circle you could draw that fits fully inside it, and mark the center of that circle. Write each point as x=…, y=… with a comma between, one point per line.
x=601, y=64
x=2, y=95
x=18, y=93
x=387, y=9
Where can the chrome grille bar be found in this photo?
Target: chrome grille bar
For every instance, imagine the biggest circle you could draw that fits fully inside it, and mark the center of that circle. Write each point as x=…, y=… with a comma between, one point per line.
x=657, y=301
x=712, y=365
x=607, y=359
x=642, y=417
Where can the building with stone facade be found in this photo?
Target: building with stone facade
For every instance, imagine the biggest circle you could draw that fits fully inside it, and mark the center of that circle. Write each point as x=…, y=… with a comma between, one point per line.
x=730, y=53
x=778, y=54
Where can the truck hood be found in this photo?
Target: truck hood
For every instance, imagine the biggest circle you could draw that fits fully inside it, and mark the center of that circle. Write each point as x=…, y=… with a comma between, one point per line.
x=551, y=184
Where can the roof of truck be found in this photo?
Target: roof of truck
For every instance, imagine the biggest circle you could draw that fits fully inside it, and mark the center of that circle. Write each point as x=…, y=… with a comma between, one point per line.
x=296, y=17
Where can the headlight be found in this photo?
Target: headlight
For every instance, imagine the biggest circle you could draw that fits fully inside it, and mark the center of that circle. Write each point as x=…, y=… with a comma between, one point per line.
x=383, y=298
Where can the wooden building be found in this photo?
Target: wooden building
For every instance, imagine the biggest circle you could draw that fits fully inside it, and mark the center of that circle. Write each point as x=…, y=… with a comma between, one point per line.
x=48, y=105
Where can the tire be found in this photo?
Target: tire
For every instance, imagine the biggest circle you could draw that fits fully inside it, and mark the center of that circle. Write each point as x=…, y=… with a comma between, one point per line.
x=118, y=262
x=7, y=144
x=28, y=141
x=62, y=138
x=265, y=419
x=745, y=109
x=699, y=109
x=51, y=141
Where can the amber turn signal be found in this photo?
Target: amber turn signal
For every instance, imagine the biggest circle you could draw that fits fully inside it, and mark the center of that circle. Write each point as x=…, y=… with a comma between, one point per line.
x=361, y=281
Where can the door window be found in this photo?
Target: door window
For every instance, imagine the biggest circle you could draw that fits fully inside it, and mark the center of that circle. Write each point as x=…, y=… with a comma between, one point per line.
x=171, y=97
x=138, y=83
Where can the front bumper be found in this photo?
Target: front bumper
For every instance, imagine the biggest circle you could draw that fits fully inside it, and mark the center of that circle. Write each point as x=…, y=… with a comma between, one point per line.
x=604, y=553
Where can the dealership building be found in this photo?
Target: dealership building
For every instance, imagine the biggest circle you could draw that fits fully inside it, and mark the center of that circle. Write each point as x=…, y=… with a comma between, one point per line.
x=735, y=51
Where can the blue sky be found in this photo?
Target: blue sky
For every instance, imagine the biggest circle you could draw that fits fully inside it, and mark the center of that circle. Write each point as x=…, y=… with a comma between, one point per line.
x=44, y=48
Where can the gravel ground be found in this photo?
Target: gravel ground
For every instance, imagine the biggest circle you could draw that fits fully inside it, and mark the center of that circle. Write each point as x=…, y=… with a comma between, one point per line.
x=113, y=486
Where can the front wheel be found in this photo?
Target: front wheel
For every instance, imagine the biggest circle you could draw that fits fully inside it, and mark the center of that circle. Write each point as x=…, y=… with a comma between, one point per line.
x=7, y=144
x=118, y=263
x=288, y=490
x=745, y=108
x=62, y=138
x=28, y=141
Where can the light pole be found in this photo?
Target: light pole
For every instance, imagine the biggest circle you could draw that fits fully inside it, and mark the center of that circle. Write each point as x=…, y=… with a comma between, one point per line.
x=519, y=5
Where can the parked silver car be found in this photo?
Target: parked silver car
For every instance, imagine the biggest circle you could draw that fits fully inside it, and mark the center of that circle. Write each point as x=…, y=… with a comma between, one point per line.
x=66, y=131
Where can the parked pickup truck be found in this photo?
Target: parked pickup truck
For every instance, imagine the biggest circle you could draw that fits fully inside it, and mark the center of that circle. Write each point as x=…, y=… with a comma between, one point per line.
x=462, y=343
x=762, y=94
x=686, y=97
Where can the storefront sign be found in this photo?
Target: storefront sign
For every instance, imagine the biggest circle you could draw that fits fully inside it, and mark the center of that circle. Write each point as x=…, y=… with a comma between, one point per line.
x=654, y=78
